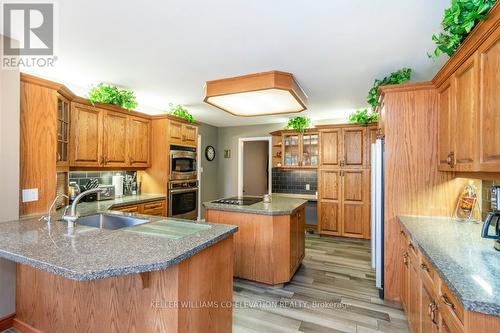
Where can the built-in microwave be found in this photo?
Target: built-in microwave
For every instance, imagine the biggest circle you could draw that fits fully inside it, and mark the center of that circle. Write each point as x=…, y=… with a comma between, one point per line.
x=182, y=163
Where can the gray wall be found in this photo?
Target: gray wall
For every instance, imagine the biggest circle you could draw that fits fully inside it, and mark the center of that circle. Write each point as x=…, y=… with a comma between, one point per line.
x=9, y=176
x=209, y=176
x=255, y=167
x=227, y=169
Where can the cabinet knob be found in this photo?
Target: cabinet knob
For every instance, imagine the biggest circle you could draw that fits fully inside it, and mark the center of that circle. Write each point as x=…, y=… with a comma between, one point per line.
x=447, y=301
x=451, y=159
x=424, y=267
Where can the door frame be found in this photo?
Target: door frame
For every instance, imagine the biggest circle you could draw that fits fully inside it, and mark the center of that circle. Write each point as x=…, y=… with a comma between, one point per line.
x=241, y=142
x=199, y=171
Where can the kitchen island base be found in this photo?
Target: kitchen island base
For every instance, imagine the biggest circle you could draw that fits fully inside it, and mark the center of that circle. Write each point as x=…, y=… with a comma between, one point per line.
x=192, y=296
x=267, y=248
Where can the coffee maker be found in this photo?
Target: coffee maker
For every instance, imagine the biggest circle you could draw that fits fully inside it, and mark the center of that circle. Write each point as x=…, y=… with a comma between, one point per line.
x=493, y=217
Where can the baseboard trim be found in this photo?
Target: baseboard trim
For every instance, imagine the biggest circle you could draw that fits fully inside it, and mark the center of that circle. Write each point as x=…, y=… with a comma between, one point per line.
x=23, y=327
x=7, y=322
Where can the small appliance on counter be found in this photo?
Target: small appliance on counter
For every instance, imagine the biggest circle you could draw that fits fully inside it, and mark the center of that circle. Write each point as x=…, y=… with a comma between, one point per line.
x=118, y=184
x=107, y=193
x=493, y=217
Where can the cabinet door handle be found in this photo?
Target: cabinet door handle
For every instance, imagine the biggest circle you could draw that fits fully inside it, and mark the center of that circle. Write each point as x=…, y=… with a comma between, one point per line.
x=131, y=160
x=58, y=157
x=105, y=159
x=451, y=159
x=405, y=258
x=341, y=163
x=432, y=312
x=424, y=267
x=101, y=162
x=411, y=246
x=446, y=300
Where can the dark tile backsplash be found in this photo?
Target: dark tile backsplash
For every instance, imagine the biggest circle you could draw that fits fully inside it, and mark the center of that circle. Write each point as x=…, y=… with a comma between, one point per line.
x=104, y=177
x=294, y=181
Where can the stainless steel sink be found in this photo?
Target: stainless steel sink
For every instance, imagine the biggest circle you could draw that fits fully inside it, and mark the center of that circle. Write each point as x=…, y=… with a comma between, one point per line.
x=110, y=221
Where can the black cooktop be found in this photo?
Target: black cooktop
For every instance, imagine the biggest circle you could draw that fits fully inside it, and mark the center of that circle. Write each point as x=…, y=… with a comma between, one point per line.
x=239, y=201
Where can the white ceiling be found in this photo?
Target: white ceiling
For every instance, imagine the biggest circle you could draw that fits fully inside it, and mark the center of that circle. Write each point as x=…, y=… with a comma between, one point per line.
x=166, y=50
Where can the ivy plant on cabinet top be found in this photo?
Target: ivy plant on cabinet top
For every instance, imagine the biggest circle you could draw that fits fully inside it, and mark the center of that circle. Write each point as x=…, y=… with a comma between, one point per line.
x=181, y=112
x=299, y=124
x=363, y=117
x=400, y=76
x=109, y=94
x=458, y=21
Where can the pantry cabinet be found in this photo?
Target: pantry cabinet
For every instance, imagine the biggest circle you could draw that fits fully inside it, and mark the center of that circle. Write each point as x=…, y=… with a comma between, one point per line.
x=104, y=138
x=468, y=114
x=343, y=205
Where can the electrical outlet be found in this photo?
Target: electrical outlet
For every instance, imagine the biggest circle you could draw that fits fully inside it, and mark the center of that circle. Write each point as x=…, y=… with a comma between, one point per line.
x=30, y=195
x=308, y=187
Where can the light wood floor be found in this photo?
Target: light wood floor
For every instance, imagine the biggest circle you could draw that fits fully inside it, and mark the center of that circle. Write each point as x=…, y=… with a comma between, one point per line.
x=333, y=291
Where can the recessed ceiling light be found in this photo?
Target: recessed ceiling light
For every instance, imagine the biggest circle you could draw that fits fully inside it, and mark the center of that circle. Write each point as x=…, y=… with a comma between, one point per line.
x=257, y=94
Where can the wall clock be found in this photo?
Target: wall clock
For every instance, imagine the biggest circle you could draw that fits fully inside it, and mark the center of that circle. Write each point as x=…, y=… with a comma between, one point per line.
x=210, y=153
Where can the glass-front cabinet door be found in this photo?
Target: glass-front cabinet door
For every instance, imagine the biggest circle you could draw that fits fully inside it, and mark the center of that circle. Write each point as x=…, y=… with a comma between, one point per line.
x=310, y=150
x=62, y=130
x=291, y=149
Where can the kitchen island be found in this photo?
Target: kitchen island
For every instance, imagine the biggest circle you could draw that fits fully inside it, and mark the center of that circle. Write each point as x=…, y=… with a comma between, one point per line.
x=165, y=275
x=269, y=246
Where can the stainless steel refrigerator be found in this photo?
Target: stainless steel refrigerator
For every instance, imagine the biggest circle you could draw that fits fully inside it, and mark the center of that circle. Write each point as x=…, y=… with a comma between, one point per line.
x=377, y=213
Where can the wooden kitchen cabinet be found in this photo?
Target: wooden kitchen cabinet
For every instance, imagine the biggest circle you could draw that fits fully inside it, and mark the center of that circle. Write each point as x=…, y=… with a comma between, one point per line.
x=86, y=136
x=346, y=146
x=489, y=106
x=343, y=205
x=299, y=150
x=104, y=138
x=468, y=105
x=182, y=134
x=139, y=138
x=114, y=144
x=63, y=121
x=156, y=208
x=429, y=311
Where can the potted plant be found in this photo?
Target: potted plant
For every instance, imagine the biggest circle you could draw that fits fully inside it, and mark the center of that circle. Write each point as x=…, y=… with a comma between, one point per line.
x=363, y=117
x=400, y=76
x=299, y=124
x=458, y=21
x=109, y=94
x=181, y=112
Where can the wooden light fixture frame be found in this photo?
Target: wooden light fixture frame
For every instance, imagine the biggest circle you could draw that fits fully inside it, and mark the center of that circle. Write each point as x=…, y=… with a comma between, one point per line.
x=256, y=82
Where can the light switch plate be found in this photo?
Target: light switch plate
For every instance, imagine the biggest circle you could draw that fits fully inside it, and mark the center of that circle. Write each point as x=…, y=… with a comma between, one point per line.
x=308, y=187
x=30, y=195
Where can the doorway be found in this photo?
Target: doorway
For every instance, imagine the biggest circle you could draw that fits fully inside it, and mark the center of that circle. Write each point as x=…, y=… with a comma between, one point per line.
x=254, y=166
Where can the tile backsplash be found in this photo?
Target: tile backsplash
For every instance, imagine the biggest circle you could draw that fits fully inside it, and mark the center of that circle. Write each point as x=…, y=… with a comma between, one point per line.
x=294, y=181
x=104, y=177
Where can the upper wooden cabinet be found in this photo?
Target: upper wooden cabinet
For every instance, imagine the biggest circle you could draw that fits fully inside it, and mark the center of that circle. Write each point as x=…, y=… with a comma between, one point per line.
x=139, y=138
x=103, y=138
x=489, y=103
x=114, y=144
x=182, y=134
x=346, y=147
x=63, y=116
x=469, y=112
x=86, y=136
x=295, y=150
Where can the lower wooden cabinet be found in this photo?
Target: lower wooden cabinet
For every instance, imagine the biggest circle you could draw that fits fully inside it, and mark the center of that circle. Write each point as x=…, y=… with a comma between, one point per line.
x=157, y=208
x=267, y=248
x=344, y=202
x=429, y=304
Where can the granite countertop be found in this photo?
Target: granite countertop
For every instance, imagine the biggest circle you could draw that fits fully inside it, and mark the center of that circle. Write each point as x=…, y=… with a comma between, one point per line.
x=86, y=253
x=468, y=264
x=279, y=205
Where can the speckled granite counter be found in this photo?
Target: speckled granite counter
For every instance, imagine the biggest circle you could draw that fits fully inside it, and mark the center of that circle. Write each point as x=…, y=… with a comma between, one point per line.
x=468, y=264
x=91, y=253
x=279, y=205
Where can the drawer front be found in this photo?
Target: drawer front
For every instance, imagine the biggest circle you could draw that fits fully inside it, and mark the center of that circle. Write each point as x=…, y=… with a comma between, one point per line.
x=128, y=209
x=154, y=205
x=450, y=306
x=156, y=212
x=428, y=274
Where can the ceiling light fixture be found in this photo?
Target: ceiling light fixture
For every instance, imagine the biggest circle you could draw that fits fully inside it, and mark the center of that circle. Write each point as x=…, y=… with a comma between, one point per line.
x=258, y=94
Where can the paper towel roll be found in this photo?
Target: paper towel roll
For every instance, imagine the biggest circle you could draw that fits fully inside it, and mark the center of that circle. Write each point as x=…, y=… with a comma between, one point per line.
x=118, y=184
